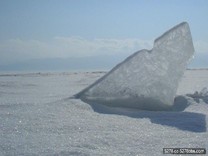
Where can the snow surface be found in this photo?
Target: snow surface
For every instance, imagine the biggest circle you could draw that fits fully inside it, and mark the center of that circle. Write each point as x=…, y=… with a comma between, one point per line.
x=148, y=79
x=37, y=117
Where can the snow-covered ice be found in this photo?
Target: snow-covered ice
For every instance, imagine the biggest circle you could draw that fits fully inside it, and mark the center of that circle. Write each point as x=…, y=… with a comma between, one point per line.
x=148, y=79
x=37, y=117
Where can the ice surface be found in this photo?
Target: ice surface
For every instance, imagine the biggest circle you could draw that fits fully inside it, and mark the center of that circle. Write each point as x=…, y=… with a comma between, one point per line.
x=36, y=118
x=148, y=79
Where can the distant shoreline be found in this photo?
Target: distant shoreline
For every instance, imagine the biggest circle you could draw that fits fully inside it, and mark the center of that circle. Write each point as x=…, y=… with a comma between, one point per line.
x=48, y=73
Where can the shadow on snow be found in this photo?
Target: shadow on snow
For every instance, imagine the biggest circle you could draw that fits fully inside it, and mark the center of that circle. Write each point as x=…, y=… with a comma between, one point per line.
x=189, y=121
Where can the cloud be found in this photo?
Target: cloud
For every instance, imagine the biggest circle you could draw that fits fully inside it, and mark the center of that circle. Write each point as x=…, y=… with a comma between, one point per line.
x=17, y=50
x=201, y=47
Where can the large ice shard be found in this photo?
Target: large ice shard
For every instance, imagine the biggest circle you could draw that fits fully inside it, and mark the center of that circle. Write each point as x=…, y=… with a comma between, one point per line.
x=148, y=79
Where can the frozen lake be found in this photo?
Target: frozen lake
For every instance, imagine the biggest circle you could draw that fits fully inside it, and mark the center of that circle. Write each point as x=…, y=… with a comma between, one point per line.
x=37, y=117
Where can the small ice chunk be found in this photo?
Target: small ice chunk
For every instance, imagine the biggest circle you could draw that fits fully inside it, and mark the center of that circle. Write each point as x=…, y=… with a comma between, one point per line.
x=204, y=92
x=148, y=79
x=200, y=96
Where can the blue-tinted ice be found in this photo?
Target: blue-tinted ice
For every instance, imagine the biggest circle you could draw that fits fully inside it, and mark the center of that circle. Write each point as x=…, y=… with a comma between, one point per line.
x=148, y=79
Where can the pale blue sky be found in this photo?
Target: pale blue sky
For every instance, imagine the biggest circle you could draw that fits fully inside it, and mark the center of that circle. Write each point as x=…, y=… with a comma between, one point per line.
x=78, y=28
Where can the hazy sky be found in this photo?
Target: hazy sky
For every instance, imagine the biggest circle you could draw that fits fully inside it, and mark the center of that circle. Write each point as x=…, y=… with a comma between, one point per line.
x=78, y=28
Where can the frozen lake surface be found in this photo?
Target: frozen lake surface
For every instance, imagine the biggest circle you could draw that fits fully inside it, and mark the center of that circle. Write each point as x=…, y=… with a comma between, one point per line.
x=37, y=117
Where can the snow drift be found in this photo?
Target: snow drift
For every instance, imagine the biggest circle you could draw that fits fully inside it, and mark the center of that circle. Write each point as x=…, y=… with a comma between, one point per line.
x=148, y=79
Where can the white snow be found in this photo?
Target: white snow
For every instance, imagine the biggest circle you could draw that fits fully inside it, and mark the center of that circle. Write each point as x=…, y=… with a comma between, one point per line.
x=148, y=79
x=37, y=117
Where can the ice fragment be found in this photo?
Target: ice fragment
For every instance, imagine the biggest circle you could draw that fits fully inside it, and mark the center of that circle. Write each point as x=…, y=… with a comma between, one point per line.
x=148, y=79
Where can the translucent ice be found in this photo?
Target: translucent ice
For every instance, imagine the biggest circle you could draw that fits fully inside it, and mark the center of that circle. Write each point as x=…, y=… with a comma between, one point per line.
x=148, y=79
